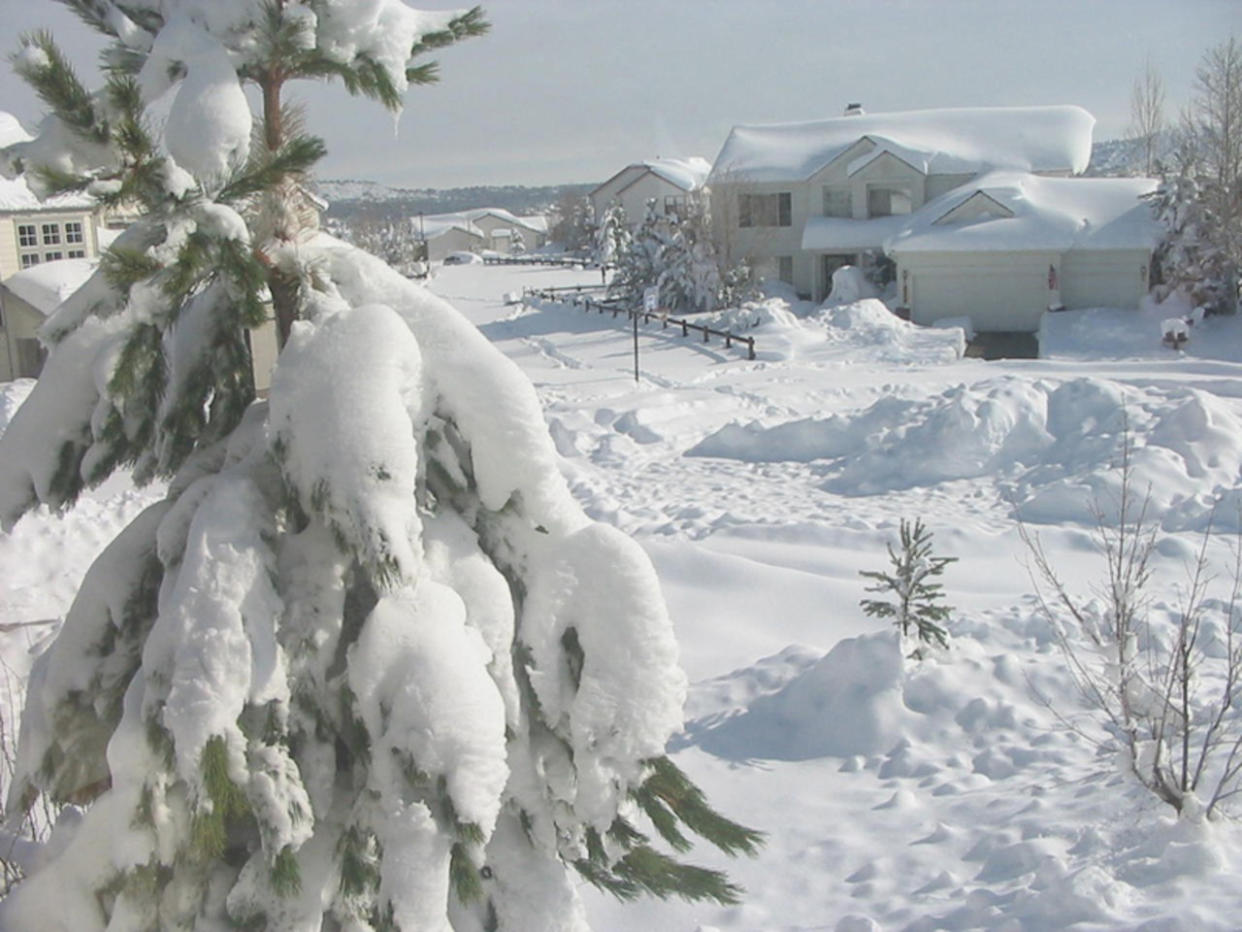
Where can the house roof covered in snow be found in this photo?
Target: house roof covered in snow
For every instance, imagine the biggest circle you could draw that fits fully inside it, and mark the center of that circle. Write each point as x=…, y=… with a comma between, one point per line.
x=46, y=285
x=1031, y=212
x=688, y=174
x=961, y=140
x=433, y=225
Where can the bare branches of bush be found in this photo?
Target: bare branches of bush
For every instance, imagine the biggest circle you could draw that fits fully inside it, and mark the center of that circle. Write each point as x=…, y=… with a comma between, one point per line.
x=1163, y=684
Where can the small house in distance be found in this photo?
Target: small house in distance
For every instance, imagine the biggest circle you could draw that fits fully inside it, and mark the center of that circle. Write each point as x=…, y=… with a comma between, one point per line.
x=977, y=207
x=484, y=228
x=668, y=182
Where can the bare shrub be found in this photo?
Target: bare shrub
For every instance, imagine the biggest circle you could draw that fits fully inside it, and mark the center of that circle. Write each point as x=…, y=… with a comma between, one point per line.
x=1161, y=684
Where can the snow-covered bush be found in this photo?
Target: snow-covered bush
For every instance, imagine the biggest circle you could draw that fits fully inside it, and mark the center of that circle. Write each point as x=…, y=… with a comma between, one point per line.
x=676, y=254
x=367, y=665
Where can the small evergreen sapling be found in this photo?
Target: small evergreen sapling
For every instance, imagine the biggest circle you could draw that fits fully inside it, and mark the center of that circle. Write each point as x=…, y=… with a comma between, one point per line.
x=917, y=598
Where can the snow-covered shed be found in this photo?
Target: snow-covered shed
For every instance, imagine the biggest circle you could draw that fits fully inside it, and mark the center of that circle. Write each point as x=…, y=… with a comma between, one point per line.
x=1010, y=245
x=448, y=233
x=799, y=200
x=26, y=299
x=667, y=181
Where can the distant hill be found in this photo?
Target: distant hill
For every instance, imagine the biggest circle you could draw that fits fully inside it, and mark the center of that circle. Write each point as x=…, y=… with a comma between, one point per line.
x=1122, y=156
x=350, y=198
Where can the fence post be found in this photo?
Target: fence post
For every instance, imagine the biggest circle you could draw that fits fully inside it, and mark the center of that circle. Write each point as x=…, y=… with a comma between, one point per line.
x=751, y=341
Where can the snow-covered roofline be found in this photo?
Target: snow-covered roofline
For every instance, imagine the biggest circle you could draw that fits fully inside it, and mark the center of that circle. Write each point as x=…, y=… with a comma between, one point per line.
x=46, y=285
x=688, y=174
x=1055, y=214
x=968, y=139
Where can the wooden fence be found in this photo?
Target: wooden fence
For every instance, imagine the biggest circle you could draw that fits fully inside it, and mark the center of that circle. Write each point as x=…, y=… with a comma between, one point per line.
x=562, y=261
x=575, y=296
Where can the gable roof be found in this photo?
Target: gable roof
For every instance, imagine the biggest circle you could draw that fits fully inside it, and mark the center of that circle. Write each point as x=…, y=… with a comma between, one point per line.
x=960, y=140
x=688, y=174
x=1055, y=214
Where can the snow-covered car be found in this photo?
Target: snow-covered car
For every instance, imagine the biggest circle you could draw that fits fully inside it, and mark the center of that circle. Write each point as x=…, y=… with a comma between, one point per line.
x=462, y=258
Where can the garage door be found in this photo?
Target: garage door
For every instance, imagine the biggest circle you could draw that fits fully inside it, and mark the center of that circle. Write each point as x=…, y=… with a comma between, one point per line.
x=993, y=298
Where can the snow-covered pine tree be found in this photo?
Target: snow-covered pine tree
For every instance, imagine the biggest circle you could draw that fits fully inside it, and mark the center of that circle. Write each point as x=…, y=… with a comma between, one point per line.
x=612, y=238
x=638, y=261
x=689, y=276
x=1193, y=255
x=367, y=665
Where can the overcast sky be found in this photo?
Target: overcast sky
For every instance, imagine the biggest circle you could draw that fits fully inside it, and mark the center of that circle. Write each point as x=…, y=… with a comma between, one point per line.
x=573, y=90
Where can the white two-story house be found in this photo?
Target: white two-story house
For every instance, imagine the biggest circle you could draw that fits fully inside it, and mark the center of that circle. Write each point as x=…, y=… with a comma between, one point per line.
x=977, y=208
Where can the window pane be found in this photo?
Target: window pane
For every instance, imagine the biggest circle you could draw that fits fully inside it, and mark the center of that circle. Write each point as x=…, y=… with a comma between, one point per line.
x=53, y=256
x=73, y=232
x=51, y=234
x=786, y=209
x=26, y=235
x=30, y=259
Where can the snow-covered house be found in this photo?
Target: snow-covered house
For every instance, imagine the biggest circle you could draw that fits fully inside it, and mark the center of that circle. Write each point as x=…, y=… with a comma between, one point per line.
x=669, y=182
x=476, y=230
x=448, y=233
x=940, y=191
x=26, y=299
x=34, y=231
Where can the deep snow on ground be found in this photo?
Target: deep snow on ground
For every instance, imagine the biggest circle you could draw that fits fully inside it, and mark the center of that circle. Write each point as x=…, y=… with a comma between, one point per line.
x=946, y=793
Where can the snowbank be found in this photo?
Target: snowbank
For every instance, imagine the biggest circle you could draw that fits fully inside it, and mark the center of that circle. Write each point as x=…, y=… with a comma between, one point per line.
x=1054, y=447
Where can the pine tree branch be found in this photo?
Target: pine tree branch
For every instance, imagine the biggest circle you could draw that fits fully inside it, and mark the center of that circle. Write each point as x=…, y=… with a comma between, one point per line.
x=294, y=158
x=41, y=64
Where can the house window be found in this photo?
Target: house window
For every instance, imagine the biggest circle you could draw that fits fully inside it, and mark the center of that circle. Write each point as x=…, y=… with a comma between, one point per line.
x=765, y=210
x=51, y=234
x=837, y=203
x=785, y=268
x=27, y=235
x=29, y=259
x=53, y=256
x=675, y=206
x=73, y=232
x=76, y=253
x=888, y=202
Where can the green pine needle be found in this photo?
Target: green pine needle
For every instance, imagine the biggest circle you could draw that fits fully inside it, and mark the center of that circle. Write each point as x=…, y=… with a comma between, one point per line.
x=286, y=874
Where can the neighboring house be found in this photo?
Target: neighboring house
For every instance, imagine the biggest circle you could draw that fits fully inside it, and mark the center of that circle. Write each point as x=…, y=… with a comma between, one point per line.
x=940, y=191
x=667, y=182
x=448, y=233
x=485, y=228
x=33, y=231
x=26, y=300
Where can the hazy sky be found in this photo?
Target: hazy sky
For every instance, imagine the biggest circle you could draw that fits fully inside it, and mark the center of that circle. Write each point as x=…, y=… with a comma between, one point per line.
x=572, y=90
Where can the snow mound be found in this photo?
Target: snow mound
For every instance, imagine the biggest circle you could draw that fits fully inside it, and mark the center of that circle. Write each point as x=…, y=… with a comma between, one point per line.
x=1054, y=448
x=849, y=285
x=848, y=702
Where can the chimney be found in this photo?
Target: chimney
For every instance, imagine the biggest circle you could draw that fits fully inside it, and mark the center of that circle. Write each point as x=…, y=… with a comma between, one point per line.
x=854, y=110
